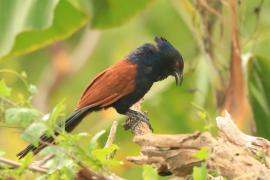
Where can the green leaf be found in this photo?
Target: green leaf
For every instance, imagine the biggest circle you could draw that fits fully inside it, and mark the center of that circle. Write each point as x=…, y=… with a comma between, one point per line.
x=259, y=88
x=202, y=154
x=53, y=121
x=93, y=141
x=68, y=173
x=60, y=159
x=25, y=162
x=102, y=154
x=149, y=173
x=199, y=173
x=20, y=116
x=111, y=13
x=100, y=157
x=37, y=24
x=66, y=139
x=4, y=89
x=83, y=5
x=33, y=132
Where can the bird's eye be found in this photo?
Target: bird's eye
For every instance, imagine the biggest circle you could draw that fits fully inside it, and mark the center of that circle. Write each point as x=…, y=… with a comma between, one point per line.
x=178, y=65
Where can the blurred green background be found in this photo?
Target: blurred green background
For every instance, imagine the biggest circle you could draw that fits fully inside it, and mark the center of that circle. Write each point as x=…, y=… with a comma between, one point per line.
x=62, y=45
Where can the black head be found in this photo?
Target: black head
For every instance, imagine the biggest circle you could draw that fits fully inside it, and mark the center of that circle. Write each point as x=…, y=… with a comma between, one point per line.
x=172, y=61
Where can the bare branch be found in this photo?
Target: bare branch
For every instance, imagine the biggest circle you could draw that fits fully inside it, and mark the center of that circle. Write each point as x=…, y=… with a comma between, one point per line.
x=111, y=136
x=15, y=164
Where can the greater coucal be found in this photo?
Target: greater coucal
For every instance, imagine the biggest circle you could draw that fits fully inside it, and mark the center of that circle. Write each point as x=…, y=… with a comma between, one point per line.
x=123, y=84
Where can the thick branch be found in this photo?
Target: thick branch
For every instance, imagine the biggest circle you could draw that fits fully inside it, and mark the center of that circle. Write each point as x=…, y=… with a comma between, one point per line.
x=232, y=154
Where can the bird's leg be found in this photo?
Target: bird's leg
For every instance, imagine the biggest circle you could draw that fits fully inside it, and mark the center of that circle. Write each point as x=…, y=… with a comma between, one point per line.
x=138, y=116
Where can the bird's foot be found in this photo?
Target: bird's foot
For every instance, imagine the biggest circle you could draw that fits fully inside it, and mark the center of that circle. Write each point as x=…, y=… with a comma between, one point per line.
x=134, y=118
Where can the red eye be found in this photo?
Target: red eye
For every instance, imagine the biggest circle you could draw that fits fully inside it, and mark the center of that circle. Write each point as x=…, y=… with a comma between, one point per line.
x=178, y=65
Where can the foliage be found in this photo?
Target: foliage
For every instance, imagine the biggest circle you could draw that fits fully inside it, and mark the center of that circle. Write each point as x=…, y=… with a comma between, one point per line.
x=259, y=88
x=68, y=155
x=40, y=23
x=20, y=116
x=202, y=154
x=149, y=173
x=110, y=13
x=36, y=25
x=201, y=173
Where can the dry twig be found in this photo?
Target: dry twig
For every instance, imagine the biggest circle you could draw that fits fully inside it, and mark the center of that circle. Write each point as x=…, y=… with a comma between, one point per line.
x=111, y=136
x=15, y=164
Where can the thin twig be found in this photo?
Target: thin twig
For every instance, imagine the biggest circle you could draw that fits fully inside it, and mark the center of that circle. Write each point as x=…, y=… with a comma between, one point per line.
x=6, y=100
x=43, y=161
x=111, y=138
x=15, y=164
x=209, y=8
x=112, y=133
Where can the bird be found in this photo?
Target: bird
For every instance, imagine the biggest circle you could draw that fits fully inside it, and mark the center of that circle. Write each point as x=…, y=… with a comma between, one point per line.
x=123, y=84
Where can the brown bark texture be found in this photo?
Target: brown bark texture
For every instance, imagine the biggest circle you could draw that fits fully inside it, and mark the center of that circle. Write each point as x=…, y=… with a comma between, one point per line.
x=232, y=154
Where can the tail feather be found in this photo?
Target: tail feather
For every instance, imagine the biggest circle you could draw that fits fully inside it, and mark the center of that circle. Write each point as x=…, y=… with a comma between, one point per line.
x=70, y=123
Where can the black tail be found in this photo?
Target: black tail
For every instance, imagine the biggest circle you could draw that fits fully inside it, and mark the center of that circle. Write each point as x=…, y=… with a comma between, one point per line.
x=70, y=123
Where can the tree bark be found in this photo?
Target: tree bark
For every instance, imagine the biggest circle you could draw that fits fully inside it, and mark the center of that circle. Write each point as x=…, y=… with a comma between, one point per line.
x=232, y=154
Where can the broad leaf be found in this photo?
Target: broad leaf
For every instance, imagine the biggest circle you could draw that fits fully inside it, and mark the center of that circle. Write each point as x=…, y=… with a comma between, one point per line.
x=110, y=13
x=33, y=132
x=53, y=121
x=259, y=88
x=199, y=173
x=31, y=24
x=20, y=116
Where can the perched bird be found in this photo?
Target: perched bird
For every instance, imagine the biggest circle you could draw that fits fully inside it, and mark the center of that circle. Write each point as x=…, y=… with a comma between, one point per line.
x=123, y=84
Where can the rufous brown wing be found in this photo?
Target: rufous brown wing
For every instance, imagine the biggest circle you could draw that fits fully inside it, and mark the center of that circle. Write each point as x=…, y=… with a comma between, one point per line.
x=110, y=85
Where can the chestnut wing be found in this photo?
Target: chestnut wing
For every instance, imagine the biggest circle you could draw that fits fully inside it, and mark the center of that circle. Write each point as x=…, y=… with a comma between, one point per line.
x=110, y=85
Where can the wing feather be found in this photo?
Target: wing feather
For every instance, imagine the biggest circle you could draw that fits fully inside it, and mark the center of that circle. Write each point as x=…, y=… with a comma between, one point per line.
x=110, y=85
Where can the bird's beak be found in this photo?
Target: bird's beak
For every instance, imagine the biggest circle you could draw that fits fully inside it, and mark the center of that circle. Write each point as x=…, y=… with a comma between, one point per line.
x=178, y=77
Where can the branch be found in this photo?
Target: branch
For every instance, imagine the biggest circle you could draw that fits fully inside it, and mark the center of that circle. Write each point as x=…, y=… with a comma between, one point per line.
x=230, y=132
x=88, y=174
x=232, y=154
x=137, y=127
x=15, y=164
x=85, y=173
x=111, y=136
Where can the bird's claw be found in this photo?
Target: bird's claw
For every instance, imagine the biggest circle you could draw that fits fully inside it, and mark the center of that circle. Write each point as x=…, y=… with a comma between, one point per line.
x=134, y=118
x=146, y=120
